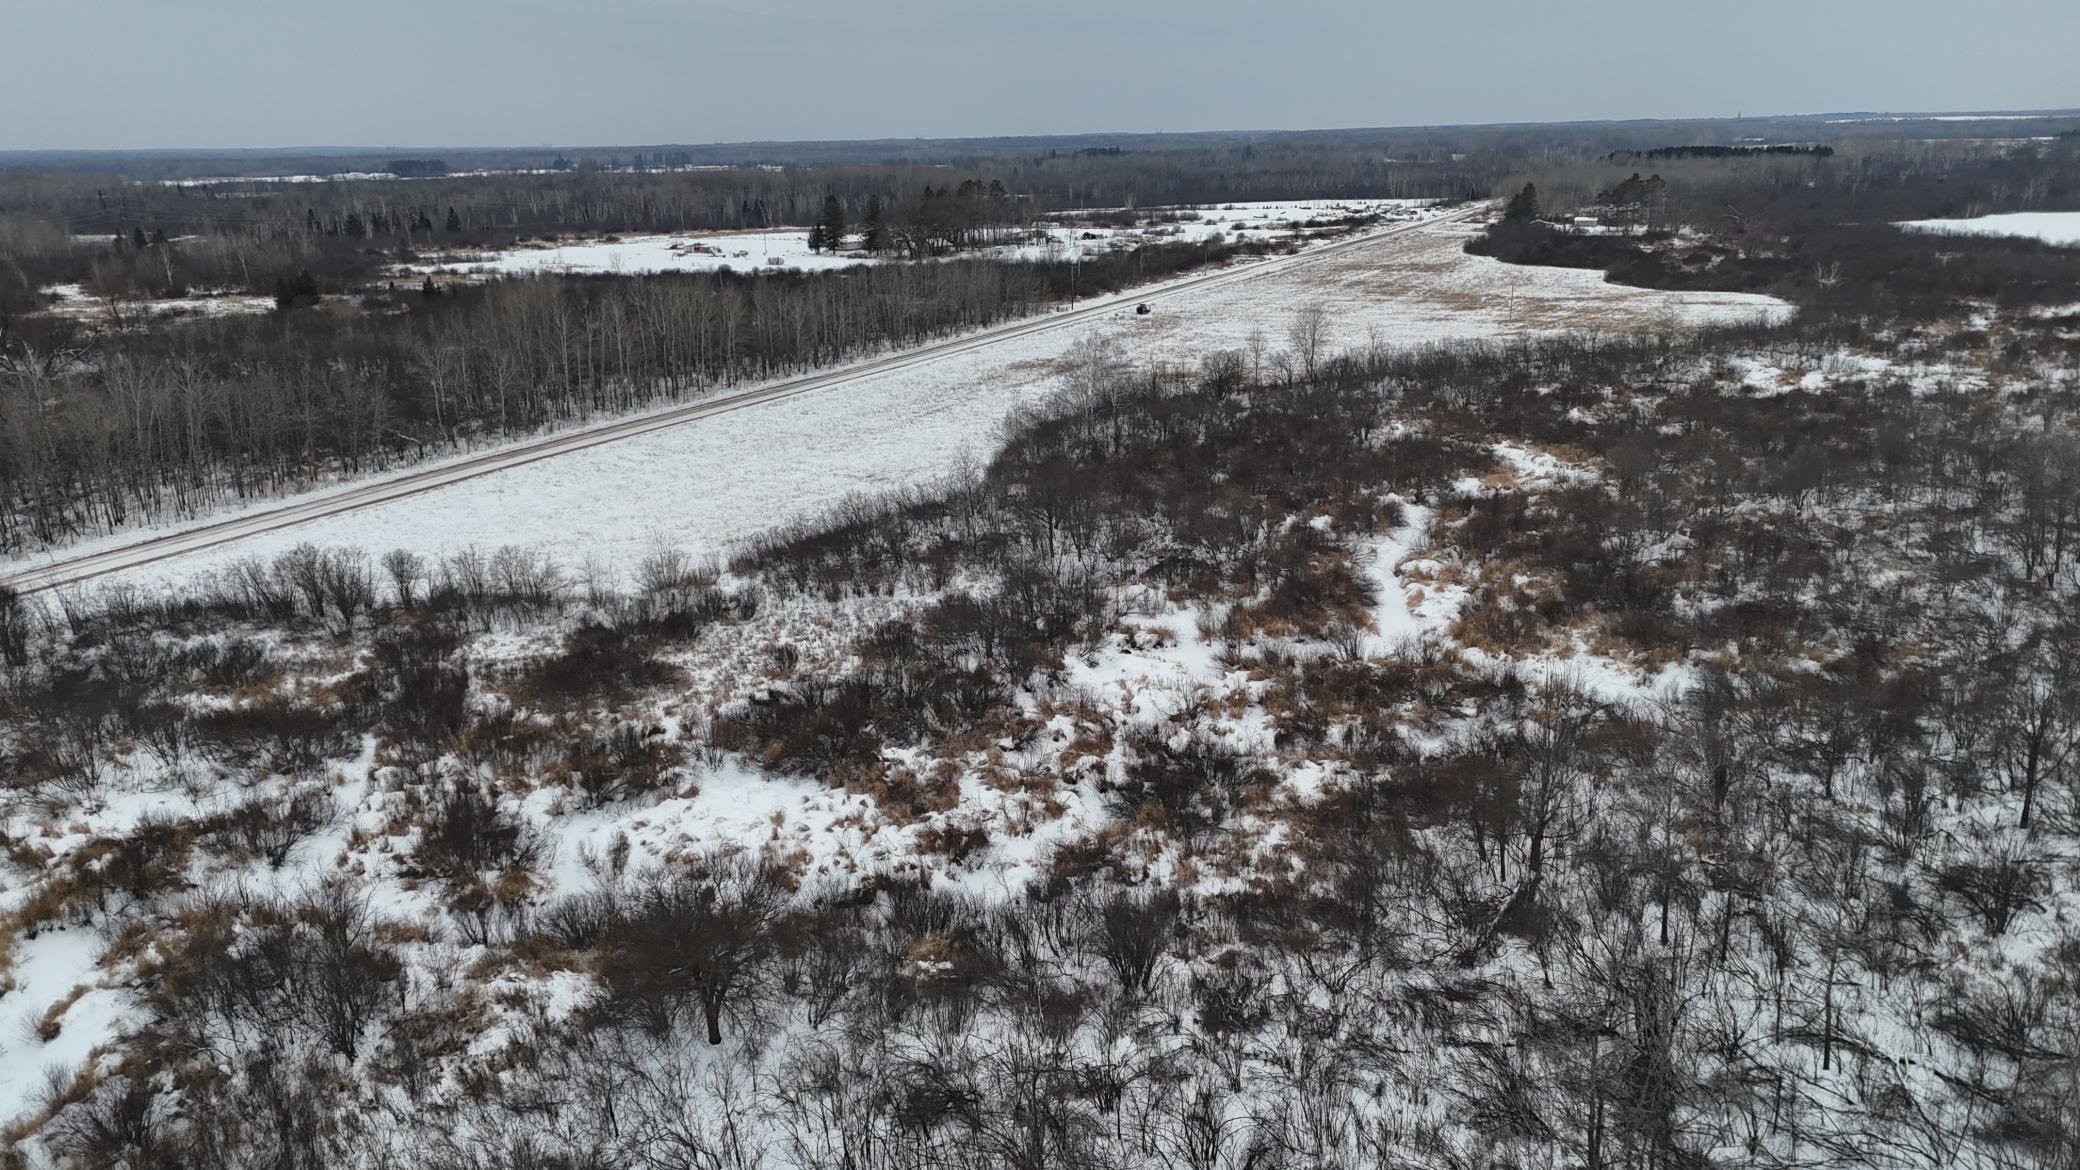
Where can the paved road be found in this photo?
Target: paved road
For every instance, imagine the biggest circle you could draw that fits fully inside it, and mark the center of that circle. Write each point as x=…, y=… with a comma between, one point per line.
x=62, y=570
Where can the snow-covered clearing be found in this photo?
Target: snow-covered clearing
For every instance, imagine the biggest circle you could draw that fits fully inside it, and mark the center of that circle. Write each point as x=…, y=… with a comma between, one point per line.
x=2052, y=227
x=707, y=486
x=789, y=247
x=634, y=255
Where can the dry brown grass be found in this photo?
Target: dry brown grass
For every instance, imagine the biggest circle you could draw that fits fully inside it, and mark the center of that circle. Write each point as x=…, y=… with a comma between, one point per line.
x=954, y=840
x=903, y=795
x=51, y=1023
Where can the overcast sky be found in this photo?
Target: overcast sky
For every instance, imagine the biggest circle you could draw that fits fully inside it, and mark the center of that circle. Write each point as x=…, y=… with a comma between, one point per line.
x=230, y=73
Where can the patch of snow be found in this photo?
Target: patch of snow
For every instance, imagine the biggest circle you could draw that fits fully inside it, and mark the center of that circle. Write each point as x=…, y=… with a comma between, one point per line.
x=76, y=302
x=2053, y=227
x=634, y=255
x=46, y=969
x=1408, y=611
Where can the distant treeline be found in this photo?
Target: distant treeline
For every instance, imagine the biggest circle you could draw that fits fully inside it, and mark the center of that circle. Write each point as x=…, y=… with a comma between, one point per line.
x=1665, y=152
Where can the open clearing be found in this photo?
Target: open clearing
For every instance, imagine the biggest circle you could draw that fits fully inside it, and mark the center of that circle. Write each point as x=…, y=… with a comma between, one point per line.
x=703, y=487
x=2052, y=227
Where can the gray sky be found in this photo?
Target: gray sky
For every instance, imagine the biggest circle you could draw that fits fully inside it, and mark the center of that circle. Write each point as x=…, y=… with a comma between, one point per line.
x=230, y=73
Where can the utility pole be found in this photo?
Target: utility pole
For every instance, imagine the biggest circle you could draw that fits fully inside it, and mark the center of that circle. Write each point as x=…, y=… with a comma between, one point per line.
x=1075, y=258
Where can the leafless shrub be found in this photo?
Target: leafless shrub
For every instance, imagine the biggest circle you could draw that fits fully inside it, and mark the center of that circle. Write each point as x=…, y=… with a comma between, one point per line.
x=271, y=828
x=700, y=940
x=1132, y=931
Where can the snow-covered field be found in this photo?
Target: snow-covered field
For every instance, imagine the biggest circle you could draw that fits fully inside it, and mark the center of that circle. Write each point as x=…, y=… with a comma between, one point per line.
x=789, y=247
x=633, y=255
x=2052, y=227
x=707, y=486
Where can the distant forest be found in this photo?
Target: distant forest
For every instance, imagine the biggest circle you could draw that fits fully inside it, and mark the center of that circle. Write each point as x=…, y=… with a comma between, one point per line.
x=1666, y=152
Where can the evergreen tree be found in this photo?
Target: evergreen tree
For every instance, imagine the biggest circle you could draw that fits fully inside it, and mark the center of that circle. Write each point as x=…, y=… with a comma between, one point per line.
x=817, y=242
x=833, y=223
x=454, y=221
x=873, y=231
x=1523, y=206
x=355, y=228
x=291, y=292
x=137, y=238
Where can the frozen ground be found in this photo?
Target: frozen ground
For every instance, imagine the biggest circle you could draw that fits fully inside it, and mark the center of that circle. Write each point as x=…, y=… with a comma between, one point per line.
x=706, y=486
x=2052, y=227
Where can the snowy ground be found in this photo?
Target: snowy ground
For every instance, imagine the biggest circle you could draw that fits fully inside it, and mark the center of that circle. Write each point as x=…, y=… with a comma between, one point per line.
x=706, y=486
x=633, y=255
x=76, y=302
x=2052, y=227
x=789, y=247
x=58, y=966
